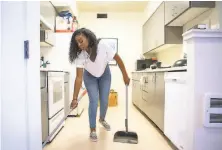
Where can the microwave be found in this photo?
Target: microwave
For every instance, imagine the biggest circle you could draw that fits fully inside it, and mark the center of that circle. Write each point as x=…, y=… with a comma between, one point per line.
x=143, y=64
x=47, y=38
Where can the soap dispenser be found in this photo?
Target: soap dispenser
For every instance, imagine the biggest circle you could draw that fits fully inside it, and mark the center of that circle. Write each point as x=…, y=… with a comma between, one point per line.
x=41, y=61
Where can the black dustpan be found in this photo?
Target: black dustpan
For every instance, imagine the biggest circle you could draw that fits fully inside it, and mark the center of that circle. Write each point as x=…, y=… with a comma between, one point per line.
x=126, y=136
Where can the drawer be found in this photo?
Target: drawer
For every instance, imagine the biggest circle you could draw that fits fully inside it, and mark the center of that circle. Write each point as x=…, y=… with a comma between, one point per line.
x=66, y=77
x=136, y=75
x=53, y=123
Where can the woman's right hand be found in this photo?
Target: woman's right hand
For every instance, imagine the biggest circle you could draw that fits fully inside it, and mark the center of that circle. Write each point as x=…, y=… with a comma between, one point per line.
x=74, y=104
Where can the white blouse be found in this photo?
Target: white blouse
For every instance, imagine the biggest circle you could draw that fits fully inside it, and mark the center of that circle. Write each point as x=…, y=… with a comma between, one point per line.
x=105, y=53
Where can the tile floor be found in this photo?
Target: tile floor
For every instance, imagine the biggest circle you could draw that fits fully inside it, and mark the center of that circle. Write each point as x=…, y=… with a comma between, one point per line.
x=75, y=134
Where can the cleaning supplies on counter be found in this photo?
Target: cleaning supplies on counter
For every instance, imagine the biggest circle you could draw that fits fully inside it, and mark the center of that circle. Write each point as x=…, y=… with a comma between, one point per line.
x=66, y=22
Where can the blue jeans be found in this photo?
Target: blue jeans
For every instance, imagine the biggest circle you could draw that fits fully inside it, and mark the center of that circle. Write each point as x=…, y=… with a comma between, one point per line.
x=97, y=88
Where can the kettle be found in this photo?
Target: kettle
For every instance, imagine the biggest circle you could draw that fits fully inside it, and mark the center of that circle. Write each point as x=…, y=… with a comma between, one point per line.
x=180, y=63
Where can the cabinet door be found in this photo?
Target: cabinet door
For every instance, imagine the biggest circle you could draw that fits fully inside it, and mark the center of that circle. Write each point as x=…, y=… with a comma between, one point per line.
x=147, y=39
x=134, y=92
x=48, y=12
x=159, y=100
x=153, y=30
x=138, y=94
x=150, y=96
x=174, y=9
x=158, y=33
x=144, y=92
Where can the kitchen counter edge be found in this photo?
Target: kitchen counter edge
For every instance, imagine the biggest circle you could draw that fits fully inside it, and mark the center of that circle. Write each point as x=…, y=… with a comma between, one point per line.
x=162, y=70
x=53, y=70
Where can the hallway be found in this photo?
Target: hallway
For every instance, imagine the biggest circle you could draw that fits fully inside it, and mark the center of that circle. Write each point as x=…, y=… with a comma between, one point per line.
x=75, y=134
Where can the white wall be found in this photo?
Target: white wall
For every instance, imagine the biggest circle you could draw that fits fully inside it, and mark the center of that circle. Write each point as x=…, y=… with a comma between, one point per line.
x=127, y=27
x=58, y=55
x=20, y=92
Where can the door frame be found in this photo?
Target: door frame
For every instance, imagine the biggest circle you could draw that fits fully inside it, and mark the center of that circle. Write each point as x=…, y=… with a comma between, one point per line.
x=33, y=76
x=0, y=75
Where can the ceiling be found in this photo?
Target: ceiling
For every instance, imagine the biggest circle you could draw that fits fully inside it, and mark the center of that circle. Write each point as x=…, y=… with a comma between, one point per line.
x=111, y=6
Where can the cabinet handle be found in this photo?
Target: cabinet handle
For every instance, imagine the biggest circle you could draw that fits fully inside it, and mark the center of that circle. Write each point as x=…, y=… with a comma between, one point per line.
x=175, y=80
x=153, y=79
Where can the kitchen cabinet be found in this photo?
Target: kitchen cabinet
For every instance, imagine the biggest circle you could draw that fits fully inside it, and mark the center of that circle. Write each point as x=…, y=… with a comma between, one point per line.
x=149, y=90
x=153, y=30
x=155, y=98
x=178, y=13
x=136, y=96
x=164, y=28
x=149, y=96
x=159, y=100
x=156, y=34
x=136, y=89
x=146, y=37
x=174, y=8
x=47, y=15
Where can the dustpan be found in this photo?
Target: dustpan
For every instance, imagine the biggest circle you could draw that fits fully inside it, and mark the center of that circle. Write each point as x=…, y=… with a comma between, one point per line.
x=126, y=136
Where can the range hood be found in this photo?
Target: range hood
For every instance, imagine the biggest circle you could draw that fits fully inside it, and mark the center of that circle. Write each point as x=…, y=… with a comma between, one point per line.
x=189, y=11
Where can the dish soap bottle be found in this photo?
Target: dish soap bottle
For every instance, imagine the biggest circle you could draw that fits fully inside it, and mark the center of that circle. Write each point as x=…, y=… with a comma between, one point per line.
x=41, y=61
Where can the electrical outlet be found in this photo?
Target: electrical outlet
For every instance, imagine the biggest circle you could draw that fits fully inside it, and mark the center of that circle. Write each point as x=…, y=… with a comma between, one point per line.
x=26, y=49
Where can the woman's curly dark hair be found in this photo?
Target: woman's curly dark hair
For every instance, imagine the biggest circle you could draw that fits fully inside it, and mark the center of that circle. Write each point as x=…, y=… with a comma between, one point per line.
x=74, y=50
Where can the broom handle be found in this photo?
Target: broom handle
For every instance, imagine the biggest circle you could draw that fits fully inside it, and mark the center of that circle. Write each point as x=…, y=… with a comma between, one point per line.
x=126, y=121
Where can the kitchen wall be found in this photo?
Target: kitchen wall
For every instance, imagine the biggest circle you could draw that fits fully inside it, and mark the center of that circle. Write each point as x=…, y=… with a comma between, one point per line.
x=58, y=55
x=127, y=28
x=210, y=17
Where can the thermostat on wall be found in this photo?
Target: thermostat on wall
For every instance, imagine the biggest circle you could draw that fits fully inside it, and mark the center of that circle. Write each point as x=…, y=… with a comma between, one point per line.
x=213, y=110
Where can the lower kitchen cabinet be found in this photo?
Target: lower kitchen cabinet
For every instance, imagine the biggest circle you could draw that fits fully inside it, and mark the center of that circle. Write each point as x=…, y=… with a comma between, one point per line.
x=159, y=100
x=136, y=89
x=149, y=88
x=149, y=96
x=136, y=93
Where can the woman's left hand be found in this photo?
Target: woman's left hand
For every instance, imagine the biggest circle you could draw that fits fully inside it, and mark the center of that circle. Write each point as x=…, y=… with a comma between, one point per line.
x=126, y=80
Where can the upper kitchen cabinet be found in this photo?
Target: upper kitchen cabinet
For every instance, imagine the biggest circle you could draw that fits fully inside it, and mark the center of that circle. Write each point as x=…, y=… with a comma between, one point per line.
x=178, y=13
x=156, y=35
x=47, y=15
x=66, y=6
x=66, y=20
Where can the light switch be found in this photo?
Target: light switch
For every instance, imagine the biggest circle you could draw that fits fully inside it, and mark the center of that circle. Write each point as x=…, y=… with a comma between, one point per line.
x=26, y=49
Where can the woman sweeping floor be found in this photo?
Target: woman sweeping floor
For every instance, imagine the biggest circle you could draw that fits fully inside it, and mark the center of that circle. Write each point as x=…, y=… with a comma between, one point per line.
x=91, y=57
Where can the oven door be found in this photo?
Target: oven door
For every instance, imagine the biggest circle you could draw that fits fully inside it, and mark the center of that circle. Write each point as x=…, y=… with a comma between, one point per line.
x=56, y=92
